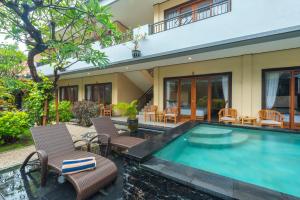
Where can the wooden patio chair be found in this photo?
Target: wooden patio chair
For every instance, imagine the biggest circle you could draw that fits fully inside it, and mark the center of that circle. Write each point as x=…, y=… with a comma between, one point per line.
x=108, y=110
x=53, y=145
x=105, y=127
x=171, y=113
x=150, y=111
x=228, y=115
x=270, y=118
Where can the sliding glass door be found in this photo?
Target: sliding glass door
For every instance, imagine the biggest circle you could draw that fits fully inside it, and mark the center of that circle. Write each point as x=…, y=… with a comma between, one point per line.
x=199, y=97
x=202, y=90
x=281, y=92
x=219, y=95
x=296, y=100
x=185, y=97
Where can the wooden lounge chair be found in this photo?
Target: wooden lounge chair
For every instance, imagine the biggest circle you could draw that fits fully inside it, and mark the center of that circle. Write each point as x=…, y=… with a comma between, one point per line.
x=270, y=118
x=108, y=110
x=228, y=115
x=54, y=144
x=105, y=126
x=171, y=114
x=150, y=112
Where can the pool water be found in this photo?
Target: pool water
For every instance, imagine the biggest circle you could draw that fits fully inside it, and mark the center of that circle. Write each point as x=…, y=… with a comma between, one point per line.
x=265, y=158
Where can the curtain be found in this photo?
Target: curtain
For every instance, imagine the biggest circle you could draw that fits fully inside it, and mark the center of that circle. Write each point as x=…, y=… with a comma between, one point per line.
x=62, y=93
x=272, y=80
x=89, y=93
x=225, y=85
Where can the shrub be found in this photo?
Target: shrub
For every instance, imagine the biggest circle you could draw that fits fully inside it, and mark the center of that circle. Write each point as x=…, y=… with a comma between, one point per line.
x=35, y=98
x=64, y=110
x=84, y=110
x=13, y=126
x=128, y=109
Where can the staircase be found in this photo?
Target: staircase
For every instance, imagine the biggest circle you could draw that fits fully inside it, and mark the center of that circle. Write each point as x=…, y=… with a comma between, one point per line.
x=145, y=100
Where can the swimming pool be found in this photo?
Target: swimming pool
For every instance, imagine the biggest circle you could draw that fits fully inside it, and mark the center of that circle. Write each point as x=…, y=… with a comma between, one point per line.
x=268, y=159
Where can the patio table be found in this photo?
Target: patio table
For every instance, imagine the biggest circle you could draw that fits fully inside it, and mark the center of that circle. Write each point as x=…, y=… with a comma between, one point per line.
x=248, y=120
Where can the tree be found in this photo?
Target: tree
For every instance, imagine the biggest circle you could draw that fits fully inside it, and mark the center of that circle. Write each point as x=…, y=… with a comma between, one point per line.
x=62, y=32
x=11, y=61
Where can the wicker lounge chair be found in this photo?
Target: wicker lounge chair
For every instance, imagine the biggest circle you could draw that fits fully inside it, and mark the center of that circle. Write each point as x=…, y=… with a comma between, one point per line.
x=150, y=113
x=54, y=144
x=270, y=118
x=108, y=110
x=228, y=115
x=105, y=126
x=171, y=113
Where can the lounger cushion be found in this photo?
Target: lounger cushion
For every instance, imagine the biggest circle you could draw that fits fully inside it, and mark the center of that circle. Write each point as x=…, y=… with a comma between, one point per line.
x=88, y=182
x=270, y=122
x=78, y=165
x=126, y=141
x=228, y=119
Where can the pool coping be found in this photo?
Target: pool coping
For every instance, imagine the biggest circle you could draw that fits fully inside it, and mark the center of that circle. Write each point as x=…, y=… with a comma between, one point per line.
x=211, y=183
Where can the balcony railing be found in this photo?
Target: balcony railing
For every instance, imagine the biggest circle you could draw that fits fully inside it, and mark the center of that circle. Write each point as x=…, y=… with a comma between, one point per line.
x=190, y=17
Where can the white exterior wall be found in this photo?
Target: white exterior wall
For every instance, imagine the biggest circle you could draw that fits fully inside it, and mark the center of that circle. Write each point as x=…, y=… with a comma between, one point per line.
x=246, y=18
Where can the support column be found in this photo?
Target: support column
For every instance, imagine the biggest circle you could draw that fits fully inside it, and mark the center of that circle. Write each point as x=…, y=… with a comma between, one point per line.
x=156, y=90
x=247, y=73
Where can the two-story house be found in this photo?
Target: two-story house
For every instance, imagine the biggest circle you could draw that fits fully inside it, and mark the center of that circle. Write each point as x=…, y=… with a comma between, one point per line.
x=200, y=55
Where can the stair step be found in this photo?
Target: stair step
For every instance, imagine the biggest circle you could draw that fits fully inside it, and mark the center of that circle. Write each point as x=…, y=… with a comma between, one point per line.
x=218, y=142
x=208, y=132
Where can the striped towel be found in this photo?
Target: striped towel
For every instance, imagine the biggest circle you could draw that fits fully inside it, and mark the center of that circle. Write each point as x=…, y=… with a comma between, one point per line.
x=78, y=165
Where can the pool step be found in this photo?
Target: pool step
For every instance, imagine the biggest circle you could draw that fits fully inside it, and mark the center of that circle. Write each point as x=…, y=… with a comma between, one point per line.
x=210, y=132
x=218, y=142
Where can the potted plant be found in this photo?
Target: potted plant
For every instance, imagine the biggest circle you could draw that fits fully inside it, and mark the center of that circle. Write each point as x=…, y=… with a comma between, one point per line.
x=130, y=111
x=137, y=38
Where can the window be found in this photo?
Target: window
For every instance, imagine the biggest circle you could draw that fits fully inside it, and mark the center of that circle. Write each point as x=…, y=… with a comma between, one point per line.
x=68, y=93
x=200, y=8
x=101, y=93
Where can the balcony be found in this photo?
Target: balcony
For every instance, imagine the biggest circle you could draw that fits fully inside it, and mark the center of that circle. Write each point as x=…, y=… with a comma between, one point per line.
x=203, y=13
x=239, y=23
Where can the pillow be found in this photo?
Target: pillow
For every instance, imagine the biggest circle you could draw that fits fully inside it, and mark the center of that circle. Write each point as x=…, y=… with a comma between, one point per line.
x=78, y=165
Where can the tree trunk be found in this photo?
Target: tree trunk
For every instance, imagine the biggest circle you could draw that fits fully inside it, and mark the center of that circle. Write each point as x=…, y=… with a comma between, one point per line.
x=56, y=106
x=31, y=66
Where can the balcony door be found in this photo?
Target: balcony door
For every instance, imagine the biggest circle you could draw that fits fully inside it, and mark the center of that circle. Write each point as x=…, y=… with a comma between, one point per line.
x=281, y=92
x=199, y=97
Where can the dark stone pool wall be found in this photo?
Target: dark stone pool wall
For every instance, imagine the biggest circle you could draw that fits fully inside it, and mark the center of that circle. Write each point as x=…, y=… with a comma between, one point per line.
x=140, y=184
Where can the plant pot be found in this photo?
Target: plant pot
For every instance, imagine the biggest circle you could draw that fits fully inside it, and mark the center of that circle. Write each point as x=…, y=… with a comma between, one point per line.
x=136, y=53
x=133, y=124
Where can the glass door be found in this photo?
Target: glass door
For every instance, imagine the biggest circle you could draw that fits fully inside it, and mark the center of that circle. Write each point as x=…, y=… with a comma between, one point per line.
x=202, y=91
x=278, y=94
x=219, y=95
x=296, y=100
x=198, y=97
x=185, y=97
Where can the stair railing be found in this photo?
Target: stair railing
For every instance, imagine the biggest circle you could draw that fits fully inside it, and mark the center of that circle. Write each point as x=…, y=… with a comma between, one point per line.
x=145, y=98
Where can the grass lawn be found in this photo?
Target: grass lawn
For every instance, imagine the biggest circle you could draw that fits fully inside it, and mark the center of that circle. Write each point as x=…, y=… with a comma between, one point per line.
x=18, y=145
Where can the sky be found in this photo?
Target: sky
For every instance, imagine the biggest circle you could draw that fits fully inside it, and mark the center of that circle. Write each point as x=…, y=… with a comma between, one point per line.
x=22, y=46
